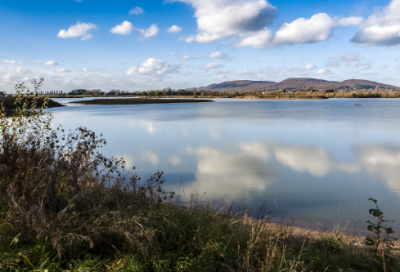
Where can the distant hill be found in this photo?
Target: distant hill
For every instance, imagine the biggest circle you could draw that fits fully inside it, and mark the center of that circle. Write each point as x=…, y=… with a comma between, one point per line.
x=297, y=84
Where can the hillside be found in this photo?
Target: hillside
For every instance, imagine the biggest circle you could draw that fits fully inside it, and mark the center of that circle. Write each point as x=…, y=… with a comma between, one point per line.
x=297, y=84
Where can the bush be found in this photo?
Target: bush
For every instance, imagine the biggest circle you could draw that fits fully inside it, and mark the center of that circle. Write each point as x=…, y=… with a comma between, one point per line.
x=61, y=188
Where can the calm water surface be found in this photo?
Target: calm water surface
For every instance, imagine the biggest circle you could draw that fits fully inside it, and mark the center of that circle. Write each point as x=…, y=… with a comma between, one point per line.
x=312, y=162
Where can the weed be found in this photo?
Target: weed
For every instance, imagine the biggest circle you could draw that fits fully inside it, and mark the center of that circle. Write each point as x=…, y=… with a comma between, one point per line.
x=380, y=235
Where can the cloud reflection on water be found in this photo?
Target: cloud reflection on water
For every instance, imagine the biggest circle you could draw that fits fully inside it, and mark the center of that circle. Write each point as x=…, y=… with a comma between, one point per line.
x=230, y=173
x=381, y=160
x=315, y=160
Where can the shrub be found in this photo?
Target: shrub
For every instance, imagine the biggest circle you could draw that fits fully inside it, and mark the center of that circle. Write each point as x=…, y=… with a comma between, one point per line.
x=59, y=187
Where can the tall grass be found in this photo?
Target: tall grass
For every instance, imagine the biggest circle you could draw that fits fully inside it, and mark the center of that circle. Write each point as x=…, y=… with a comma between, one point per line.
x=66, y=207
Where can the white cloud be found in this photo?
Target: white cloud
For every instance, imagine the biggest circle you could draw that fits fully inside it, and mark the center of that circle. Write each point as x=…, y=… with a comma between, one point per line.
x=17, y=75
x=173, y=54
x=61, y=70
x=147, y=33
x=248, y=21
x=218, y=55
x=323, y=71
x=185, y=57
x=12, y=62
x=47, y=63
x=78, y=30
x=136, y=10
x=125, y=28
x=310, y=66
x=381, y=28
x=174, y=29
x=219, y=19
x=318, y=28
x=351, y=59
x=84, y=69
x=361, y=66
x=212, y=66
x=153, y=67
x=259, y=39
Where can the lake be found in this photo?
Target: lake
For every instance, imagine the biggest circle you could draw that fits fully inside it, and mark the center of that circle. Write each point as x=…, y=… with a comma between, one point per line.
x=313, y=163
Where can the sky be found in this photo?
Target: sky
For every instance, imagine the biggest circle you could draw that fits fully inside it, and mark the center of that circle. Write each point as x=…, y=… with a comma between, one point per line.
x=136, y=45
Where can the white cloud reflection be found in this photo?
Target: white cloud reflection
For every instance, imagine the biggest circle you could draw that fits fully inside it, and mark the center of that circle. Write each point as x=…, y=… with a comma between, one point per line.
x=224, y=173
x=383, y=161
x=153, y=158
x=315, y=160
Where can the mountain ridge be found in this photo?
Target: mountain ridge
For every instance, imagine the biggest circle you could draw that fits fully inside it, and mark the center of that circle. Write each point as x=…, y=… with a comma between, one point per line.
x=297, y=84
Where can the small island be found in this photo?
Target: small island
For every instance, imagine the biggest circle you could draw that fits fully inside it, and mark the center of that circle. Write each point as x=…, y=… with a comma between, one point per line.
x=137, y=101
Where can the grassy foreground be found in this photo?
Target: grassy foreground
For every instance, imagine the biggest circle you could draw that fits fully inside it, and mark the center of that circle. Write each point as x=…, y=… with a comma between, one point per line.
x=66, y=207
x=158, y=237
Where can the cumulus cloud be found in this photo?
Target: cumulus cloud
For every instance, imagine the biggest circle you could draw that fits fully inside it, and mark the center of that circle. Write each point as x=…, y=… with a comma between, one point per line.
x=218, y=55
x=125, y=28
x=212, y=66
x=185, y=57
x=147, y=33
x=78, y=30
x=136, y=10
x=47, y=63
x=323, y=71
x=248, y=21
x=381, y=28
x=84, y=69
x=12, y=62
x=174, y=29
x=153, y=67
x=318, y=28
x=61, y=70
x=310, y=66
x=259, y=39
x=16, y=75
x=219, y=19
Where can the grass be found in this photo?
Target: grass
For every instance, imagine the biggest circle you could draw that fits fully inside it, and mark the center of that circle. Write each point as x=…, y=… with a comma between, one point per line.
x=171, y=238
x=136, y=101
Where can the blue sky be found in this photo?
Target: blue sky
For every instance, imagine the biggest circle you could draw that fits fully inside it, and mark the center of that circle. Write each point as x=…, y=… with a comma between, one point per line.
x=140, y=45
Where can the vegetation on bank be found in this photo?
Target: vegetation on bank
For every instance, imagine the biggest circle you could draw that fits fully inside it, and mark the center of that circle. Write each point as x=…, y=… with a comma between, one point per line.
x=256, y=94
x=9, y=103
x=137, y=101
x=66, y=207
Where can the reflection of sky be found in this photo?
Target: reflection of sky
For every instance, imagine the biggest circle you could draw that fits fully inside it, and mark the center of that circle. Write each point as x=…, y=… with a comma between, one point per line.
x=317, y=161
